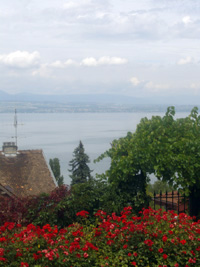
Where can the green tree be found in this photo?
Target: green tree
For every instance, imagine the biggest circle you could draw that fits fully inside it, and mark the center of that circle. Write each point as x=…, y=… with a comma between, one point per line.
x=159, y=186
x=167, y=147
x=127, y=180
x=55, y=167
x=80, y=171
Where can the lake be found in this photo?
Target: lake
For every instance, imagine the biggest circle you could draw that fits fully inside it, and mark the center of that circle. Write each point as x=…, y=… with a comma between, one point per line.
x=58, y=134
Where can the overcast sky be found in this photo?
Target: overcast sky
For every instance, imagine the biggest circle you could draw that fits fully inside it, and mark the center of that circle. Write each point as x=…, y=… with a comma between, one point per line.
x=129, y=47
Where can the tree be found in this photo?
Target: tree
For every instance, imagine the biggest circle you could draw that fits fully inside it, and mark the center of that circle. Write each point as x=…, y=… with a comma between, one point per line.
x=55, y=167
x=159, y=186
x=80, y=170
x=126, y=179
x=167, y=147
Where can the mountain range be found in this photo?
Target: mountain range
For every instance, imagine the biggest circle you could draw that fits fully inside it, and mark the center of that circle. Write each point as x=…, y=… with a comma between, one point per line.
x=100, y=99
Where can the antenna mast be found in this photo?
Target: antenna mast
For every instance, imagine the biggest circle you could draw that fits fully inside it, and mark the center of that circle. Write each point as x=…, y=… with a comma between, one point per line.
x=15, y=125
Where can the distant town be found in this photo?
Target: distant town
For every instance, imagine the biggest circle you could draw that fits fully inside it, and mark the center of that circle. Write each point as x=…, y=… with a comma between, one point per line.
x=51, y=107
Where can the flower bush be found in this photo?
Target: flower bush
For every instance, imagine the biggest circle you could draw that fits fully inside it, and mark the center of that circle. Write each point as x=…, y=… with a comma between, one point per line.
x=151, y=238
x=38, y=209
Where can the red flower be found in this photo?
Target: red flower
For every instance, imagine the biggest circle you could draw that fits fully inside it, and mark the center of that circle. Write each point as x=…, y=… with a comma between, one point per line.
x=82, y=213
x=164, y=238
x=135, y=254
x=36, y=256
x=24, y=264
x=148, y=242
x=133, y=263
x=183, y=242
x=85, y=255
x=165, y=256
x=176, y=265
x=109, y=242
x=1, y=251
x=160, y=250
x=192, y=260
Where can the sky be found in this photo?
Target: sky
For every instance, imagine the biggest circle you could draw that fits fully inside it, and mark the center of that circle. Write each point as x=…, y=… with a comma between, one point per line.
x=126, y=47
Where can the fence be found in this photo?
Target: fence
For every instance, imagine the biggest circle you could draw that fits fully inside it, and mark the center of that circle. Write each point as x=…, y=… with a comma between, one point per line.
x=171, y=201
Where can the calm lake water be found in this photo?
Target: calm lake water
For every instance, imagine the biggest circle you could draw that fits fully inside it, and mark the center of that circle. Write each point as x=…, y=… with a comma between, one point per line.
x=59, y=134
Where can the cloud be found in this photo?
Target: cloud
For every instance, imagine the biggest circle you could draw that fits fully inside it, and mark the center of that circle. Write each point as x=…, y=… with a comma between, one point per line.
x=59, y=64
x=20, y=59
x=186, y=20
x=42, y=71
x=135, y=81
x=91, y=61
x=75, y=4
x=156, y=87
x=184, y=61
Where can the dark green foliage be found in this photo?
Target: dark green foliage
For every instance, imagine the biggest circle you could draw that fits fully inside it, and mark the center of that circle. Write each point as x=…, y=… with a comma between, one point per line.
x=51, y=209
x=55, y=167
x=80, y=171
x=87, y=196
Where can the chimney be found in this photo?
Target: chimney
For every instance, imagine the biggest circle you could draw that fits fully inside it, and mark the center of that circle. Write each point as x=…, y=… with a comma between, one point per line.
x=9, y=149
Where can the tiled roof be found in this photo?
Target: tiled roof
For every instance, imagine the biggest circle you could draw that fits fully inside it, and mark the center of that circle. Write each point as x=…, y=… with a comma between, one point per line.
x=26, y=174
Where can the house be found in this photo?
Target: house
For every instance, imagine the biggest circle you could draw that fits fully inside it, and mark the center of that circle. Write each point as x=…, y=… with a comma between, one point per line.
x=24, y=172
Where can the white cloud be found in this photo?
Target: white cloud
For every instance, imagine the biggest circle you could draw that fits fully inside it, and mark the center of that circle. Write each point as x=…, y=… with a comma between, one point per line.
x=91, y=61
x=156, y=87
x=61, y=65
x=134, y=81
x=42, y=71
x=70, y=62
x=112, y=61
x=76, y=4
x=186, y=20
x=70, y=5
x=20, y=59
x=184, y=61
x=57, y=64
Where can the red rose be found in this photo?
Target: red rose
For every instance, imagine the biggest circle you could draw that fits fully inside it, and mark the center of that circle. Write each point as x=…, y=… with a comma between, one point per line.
x=165, y=256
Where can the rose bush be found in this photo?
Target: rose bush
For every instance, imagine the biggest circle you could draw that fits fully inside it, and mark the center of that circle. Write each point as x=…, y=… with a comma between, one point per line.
x=151, y=238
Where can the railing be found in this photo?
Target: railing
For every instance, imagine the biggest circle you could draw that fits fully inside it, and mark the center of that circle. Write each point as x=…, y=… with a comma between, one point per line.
x=171, y=201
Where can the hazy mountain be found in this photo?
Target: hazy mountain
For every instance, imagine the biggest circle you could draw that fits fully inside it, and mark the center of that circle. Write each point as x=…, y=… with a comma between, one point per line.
x=101, y=98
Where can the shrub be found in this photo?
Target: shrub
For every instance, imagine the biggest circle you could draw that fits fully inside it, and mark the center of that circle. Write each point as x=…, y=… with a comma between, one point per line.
x=149, y=239
x=37, y=209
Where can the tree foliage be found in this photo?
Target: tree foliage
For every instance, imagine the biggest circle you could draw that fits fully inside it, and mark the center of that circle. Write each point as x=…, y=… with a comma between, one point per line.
x=170, y=148
x=80, y=171
x=55, y=167
x=159, y=186
x=167, y=147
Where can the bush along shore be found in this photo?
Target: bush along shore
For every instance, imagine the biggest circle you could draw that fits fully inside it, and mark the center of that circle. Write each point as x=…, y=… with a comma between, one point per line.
x=150, y=238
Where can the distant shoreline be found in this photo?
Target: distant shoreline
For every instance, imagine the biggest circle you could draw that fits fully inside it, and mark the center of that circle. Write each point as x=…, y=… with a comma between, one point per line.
x=52, y=107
